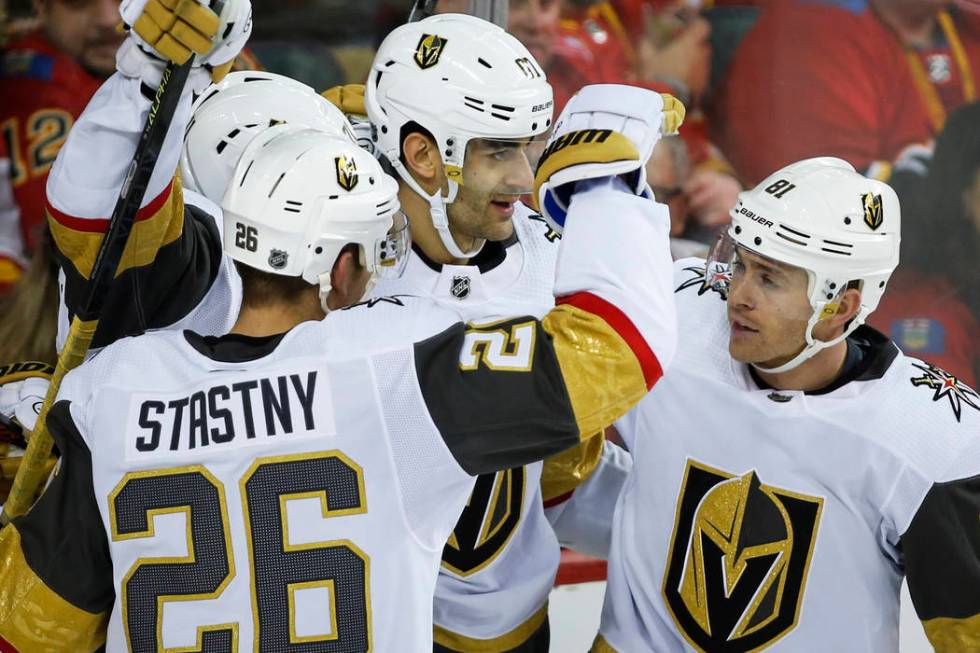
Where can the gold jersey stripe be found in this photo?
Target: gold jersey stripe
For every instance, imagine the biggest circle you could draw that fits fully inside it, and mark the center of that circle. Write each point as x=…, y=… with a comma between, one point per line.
x=564, y=472
x=949, y=635
x=500, y=644
x=602, y=373
x=600, y=645
x=32, y=616
x=10, y=272
x=157, y=224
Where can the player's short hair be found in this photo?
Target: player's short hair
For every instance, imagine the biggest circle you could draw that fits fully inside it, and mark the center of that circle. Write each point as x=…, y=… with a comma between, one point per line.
x=261, y=288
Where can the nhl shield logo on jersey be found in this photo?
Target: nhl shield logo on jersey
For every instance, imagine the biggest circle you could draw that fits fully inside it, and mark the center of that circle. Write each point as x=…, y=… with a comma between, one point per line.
x=461, y=286
x=346, y=172
x=873, y=216
x=944, y=384
x=489, y=520
x=429, y=49
x=738, y=561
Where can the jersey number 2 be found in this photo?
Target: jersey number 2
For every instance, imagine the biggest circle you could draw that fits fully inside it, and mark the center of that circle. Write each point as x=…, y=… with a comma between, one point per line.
x=279, y=568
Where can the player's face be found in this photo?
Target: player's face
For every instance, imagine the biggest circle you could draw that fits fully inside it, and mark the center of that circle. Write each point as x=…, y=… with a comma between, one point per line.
x=768, y=310
x=495, y=175
x=535, y=24
x=85, y=30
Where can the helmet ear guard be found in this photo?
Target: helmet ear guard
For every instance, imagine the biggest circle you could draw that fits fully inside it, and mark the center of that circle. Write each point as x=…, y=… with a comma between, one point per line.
x=820, y=215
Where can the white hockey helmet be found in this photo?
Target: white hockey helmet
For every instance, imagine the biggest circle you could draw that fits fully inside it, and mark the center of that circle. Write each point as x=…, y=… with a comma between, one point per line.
x=820, y=215
x=299, y=196
x=460, y=78
x=229, y=114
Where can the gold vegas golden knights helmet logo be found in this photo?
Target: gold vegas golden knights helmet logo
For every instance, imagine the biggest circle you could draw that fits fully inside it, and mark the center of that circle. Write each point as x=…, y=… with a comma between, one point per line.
x=873, y=216
x=346, y=172
x=428, y=51
x=738, y=560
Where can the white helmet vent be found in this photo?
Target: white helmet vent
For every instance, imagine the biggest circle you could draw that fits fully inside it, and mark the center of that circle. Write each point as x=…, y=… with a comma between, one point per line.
x=276, y=185
x=245, y=175
x=292, y=206
x=387, y=206
x=470, y=102
x=483, y=62
x=794, y=238
x=836, y=244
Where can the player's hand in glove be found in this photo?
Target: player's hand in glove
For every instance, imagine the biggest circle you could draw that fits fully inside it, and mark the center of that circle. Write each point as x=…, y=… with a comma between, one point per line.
x=22, y=390
x=349, y=98
x=176, y=30
x=605, y=130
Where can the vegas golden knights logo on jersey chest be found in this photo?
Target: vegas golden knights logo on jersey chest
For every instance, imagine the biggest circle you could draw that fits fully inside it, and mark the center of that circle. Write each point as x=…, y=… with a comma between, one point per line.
x=738, y=559
x=489, y=520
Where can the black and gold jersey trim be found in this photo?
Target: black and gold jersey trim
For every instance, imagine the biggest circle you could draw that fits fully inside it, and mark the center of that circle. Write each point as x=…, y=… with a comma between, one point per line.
x=172, y=259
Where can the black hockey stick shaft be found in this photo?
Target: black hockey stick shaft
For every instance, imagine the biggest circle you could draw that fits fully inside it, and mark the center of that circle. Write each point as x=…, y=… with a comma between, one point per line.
x=34, y=467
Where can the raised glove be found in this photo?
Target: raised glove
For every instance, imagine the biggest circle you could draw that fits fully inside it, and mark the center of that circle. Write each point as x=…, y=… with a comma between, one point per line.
x=605, y=130
x=349, y=98
x=175, y=30
x=22, y=390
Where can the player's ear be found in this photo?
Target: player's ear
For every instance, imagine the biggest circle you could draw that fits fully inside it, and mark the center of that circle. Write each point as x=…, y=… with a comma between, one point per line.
x=847, y=308
x=344, y=279
x=421, y=157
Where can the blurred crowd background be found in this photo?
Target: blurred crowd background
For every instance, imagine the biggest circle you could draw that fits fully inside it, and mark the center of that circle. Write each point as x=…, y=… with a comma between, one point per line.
x=888, y=85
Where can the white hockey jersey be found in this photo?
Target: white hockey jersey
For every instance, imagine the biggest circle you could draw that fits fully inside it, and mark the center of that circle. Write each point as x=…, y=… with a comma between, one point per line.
x=173, y=273
x=500, y=562
x=763, y=519
x=242, y=494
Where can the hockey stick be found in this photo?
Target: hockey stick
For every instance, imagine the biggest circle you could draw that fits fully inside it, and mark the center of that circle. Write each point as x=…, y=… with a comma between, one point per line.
x=32, y=470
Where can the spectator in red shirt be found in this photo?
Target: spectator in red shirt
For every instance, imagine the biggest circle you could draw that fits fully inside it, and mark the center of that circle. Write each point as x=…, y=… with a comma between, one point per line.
x=932, y=305
x=46, y=79
x=861, y=80
x=662, y=45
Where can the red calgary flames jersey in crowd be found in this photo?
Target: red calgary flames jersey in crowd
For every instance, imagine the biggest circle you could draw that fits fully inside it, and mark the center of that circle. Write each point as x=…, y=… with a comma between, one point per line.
x=43, y=91
x=821, y=77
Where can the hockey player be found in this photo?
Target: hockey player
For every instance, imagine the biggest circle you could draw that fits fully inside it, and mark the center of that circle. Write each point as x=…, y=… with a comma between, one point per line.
x=794, y=464
x=223, y=121
x=362, y=492
x=455, y=104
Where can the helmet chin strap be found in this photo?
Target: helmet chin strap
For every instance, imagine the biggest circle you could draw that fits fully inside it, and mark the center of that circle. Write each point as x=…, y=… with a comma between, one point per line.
x=439, y=214
x=813, y=347
x=325, y=289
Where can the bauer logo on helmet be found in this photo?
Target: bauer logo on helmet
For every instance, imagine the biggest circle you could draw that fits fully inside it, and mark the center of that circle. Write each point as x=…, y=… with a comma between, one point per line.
x=429, y=50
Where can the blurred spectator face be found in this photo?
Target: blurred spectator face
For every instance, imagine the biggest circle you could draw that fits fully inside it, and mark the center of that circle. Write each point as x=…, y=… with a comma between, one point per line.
x=532, y=22
x=668, y=169
x=535, y=24
x=83, y=29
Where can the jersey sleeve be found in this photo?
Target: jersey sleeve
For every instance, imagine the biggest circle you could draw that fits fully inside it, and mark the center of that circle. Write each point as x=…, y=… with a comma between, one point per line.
x=55, y=571
x=582, y=519
x=174, y=250
x=941, y=552
x=511, y=392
